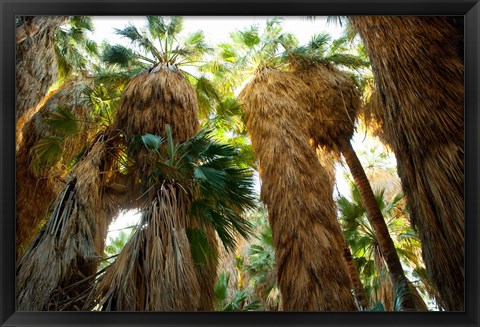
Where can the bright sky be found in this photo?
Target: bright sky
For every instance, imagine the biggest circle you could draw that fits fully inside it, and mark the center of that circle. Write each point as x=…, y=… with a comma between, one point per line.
x=217, y=28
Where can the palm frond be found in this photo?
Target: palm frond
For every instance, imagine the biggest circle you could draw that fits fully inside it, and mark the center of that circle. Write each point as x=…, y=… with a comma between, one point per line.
x=336, y=20
x=46, y=152
x=156, y=26
x=118, y=54
x=82, y=22
x=140, y=38
x=348, y=60
x=199, y=246
x=193, y=48
x=207, y=95
x=319, y=43
x=175, y=25
x=63, y=121
x=248, y=37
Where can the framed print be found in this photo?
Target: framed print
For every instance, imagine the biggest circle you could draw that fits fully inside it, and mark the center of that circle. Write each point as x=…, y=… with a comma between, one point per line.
x=239, y=163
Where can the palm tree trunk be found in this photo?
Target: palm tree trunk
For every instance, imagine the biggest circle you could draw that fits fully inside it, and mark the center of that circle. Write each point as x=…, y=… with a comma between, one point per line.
x=64, y=254
x=375, y=218
x=36, y=62
x=420, y=79
x=308, y=241
x=37, y=190
x=149, y=102
x=358, y=289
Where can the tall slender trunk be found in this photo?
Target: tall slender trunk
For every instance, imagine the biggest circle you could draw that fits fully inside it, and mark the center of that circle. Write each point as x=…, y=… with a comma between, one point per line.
x=377, y=221
x=358, y=289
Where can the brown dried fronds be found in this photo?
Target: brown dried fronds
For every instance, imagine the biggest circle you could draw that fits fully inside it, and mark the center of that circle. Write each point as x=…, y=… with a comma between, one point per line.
x=71, y=243
x=419, y=69
x=155, y=270
x=301, y=208
x=37, y=184
x=151, y=101
x=334, y=106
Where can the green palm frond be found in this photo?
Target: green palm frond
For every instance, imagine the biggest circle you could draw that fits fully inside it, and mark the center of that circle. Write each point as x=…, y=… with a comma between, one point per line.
x=113, y=77
x=347, y=60
x=319, y=43
x=73, y=48
x=82, y=22
x=118, y=54
x=156, y=26
x=63, y=121
x=339, y=45
x=207, y=95
x=199, y=246
x=142, y=40
x=46, y=152
x=221, y=191
x=193, y=48
x=401, y=291
x=246, y=38
x=338, y=20
x=91, y=48
x=124, y=57
x=238, y=301
x=152, y=142
x=175, y=26
x=221, y=288
x=228, y=53
x=133, y=34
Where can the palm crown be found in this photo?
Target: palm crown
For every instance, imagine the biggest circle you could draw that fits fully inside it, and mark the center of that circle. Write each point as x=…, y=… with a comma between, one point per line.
x=159, y=42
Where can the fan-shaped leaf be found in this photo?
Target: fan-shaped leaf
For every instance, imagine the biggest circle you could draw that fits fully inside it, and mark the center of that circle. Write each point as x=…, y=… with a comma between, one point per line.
x=152, y=142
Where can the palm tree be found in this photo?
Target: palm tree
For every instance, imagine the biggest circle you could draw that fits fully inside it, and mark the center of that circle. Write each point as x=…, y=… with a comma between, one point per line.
x=162, y=267
x=362, y=239
x=327, y=160
x=303, y=212
x=335, y=106
x=49, y=48
x=418, y=68
x=163, y=94
x=56, y=132
x=275, y=121
x=61, y=261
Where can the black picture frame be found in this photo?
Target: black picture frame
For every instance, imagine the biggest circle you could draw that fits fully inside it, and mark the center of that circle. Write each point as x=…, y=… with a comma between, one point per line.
x=9, y=8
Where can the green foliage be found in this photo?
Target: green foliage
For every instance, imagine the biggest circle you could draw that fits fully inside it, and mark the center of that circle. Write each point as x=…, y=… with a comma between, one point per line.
x=45, y=153
x=113, y=247
x=63, y=122
x=104, y=96
x=122, y=56
x=362, y=240
x=322, y=50
x=160, y=41
x=199, y=246
x=72, y=46
x=220, y=190
x=238, y=301
x=257, y=266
